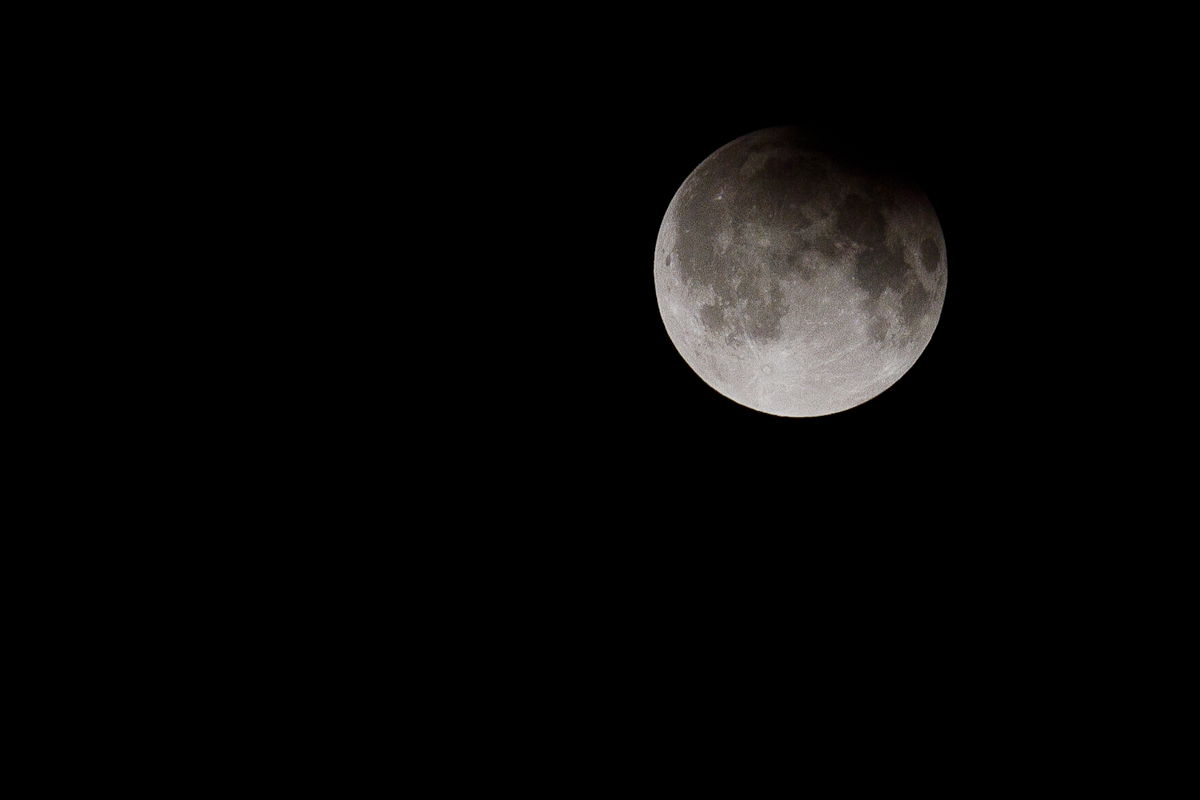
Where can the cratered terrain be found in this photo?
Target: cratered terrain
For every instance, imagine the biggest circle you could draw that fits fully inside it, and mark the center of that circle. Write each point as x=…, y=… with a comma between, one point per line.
x=796, y=280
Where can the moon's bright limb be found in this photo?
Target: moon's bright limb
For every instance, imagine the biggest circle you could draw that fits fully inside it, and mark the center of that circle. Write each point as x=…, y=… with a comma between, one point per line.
x=795, y=282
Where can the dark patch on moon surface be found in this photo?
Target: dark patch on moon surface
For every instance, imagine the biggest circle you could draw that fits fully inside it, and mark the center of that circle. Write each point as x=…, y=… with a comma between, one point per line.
x=712, y=317
x=914, y=303
x=787, y=176
x=795, y=264
x=931, y=255
x=861, y=221
x=877, y=269
x=794, y=282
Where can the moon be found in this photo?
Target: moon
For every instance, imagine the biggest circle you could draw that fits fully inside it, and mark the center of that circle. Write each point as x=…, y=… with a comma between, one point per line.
x=795, y=280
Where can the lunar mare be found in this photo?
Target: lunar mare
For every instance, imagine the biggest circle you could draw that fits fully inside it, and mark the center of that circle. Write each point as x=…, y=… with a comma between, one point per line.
x=794, y=281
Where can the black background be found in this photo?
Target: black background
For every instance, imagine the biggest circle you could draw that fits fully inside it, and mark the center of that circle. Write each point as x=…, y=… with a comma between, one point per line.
x=574, y=510
x=602, y=394
x=573, y=408
x=498, y=464
x=596, y=478
x=573, y=513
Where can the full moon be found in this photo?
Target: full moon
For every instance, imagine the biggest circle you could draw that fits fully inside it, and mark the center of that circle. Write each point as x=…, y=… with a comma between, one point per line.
x=795, y=280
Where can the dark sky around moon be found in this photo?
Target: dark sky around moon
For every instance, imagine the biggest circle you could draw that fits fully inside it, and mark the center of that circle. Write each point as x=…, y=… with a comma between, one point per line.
x=1035, y=178
x=596, y=474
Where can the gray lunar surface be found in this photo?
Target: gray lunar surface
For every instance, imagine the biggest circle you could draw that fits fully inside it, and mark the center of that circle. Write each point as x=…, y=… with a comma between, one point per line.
x=794, y=281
